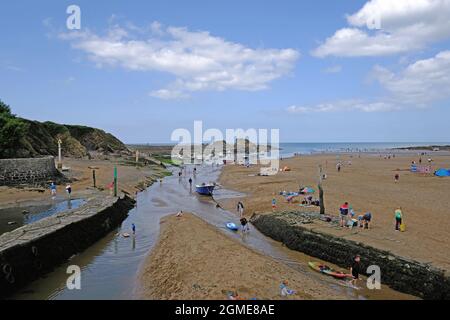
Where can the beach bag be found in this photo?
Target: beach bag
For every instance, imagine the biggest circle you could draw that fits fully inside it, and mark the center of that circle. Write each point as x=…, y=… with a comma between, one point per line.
x=402, y=227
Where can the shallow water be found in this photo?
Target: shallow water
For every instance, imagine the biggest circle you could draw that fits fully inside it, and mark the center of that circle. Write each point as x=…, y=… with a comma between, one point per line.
x=110, y=267
x=21, y=216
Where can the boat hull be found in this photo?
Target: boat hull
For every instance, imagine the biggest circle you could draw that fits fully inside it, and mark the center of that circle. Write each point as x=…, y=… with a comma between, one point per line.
x=205, y=190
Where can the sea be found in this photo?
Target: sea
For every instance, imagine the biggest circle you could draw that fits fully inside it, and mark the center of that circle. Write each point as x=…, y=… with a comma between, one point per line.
x=290, y=149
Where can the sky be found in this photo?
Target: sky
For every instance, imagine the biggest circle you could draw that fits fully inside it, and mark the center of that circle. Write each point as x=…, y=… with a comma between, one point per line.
x=319, y=71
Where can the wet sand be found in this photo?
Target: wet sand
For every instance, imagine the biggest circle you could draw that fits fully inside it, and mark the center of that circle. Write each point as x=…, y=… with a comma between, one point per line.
x=368, y=185
x=131, y=179
x=195, y=261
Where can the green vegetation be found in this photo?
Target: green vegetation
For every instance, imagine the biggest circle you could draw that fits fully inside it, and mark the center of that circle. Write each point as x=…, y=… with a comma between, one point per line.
x=12, y=130
x=167, y=159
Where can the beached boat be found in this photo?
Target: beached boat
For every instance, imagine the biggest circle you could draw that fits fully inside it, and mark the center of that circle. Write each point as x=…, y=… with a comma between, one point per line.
x=205, y=189
x=329, y=271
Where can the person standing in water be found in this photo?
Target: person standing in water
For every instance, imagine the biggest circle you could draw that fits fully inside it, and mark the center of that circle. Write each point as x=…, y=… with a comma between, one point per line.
x=133, y=228
x=244, y=224
x=240, y=209
x=190, y=184
x=53, y=189
x=69, y=190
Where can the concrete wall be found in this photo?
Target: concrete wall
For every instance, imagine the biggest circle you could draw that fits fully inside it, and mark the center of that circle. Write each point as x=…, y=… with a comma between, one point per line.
x=27, y=171
x=399, y=273
x=33, y=250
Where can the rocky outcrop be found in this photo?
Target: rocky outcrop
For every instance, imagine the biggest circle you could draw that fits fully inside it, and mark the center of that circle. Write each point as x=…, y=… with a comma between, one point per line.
x=41, y=139
x=401, y=274
x=33, y=250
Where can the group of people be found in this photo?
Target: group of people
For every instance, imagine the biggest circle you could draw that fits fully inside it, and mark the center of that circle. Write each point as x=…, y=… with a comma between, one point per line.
x=347, y=217
x=54, y=191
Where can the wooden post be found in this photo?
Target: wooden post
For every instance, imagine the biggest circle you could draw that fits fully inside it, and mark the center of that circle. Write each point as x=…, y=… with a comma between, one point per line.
x=321, y=201
x=93, y=178
x=115, y=181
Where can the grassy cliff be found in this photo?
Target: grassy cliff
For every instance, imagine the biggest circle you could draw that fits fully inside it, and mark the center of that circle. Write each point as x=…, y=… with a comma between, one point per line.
x=22, y=138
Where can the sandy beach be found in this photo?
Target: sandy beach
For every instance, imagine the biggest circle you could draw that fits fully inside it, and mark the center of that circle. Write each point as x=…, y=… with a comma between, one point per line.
x=131, y=179
x=368, y=185
x=193, y=261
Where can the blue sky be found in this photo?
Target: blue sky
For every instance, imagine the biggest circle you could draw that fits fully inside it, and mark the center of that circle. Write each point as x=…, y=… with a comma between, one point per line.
x=312, y=69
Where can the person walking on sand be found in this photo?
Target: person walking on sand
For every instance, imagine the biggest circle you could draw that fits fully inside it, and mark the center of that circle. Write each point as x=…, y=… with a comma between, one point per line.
x=240, y=209
x=274, y=204
x=69, y=190
x=396, y=177
x=355, y=269
x=344, y=214
x=398, y=218
x=190, y=183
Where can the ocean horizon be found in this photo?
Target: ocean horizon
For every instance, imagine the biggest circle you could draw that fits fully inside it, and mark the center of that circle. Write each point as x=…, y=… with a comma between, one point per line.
x=290, y=148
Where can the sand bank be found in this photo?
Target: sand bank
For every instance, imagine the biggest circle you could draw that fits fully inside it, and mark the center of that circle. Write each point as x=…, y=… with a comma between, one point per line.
x=195, y=261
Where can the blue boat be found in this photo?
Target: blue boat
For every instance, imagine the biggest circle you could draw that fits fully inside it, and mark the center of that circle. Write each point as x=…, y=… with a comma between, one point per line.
x=205, y=189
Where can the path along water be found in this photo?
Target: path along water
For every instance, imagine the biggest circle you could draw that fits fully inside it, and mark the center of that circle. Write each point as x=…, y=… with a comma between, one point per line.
x=111, y=266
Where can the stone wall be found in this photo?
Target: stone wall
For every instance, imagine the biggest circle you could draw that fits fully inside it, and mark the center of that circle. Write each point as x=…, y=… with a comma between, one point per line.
x=32, y=171
x=33, y=250
x=400, y=274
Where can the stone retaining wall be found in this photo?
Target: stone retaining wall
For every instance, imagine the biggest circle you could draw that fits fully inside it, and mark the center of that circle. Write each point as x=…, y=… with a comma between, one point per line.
x=33, y=250
x=400, y=274
x=30, y=171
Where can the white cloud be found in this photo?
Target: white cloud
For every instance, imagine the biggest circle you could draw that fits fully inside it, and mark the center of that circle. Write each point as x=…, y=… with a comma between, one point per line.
x=344, y=106
x=405, y=25
x=420, y=83
x=198, y=60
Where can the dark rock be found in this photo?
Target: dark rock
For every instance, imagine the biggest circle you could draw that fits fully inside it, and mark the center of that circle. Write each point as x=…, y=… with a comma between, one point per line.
x=401, y=274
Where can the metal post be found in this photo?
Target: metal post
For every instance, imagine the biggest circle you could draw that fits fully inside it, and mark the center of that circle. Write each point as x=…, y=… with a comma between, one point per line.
x=115, y=181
